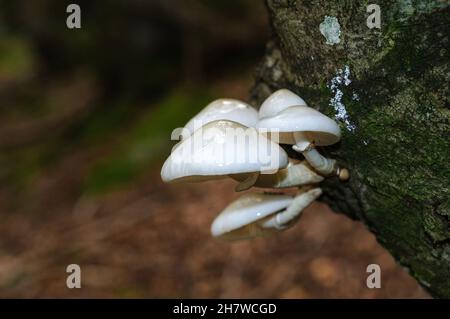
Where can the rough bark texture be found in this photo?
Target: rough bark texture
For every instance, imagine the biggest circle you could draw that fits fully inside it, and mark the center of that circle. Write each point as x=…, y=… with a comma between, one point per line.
x=396, y=141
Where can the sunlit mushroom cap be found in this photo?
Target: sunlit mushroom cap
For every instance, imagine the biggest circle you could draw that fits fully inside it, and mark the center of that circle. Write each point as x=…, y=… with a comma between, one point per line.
x=246, y=210
x=220, y=148
x=224, y=109
x=279, y=101
x=315, y=126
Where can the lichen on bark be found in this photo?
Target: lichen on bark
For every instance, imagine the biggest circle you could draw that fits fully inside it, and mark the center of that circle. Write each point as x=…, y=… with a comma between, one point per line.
x=398, y=101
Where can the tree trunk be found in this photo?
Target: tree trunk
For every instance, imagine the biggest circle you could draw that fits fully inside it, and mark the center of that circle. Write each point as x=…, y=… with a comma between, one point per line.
x=389, y=90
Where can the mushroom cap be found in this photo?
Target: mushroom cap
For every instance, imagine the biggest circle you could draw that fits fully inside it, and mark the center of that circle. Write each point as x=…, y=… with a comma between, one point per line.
x=248, y=209
x=220, y=148
x=312, y=124
x=279, y=101
x=224, y=109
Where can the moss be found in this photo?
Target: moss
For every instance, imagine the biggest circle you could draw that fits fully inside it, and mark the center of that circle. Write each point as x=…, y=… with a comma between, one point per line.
x=16, y=58
x=437, y=227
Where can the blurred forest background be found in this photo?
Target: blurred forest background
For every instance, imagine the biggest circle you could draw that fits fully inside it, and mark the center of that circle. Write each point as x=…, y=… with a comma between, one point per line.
x=85, y=123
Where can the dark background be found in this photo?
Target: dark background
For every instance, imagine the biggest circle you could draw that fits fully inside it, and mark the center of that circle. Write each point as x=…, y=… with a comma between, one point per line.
x=85, y=122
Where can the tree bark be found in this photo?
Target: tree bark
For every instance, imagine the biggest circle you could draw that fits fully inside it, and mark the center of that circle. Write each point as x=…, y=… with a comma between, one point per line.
x=389, y=90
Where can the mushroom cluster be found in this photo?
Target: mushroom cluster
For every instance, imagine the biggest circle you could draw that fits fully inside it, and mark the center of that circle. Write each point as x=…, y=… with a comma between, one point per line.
x=230, y=138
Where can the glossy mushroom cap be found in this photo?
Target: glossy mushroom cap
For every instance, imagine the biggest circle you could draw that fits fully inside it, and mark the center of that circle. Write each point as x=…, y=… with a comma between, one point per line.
x=238, y=219
x=220, y=148
x=311, y=124
x=279, y=101
x=224, y=109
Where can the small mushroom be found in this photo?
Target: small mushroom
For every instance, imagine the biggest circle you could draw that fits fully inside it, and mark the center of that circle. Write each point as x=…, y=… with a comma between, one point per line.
x=259, y=214
x=297, y=173
x=221, y=148
x=223, y=109
x=305, y=128
x=279, y=101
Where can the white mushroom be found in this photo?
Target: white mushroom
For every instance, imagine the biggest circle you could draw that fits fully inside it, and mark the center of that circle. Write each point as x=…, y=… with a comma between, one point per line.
x=222, y=148
x=279, y=101
x=258, y=214
x=297, y=173
x=304, y=127
x=230, y=138
x=223, y=109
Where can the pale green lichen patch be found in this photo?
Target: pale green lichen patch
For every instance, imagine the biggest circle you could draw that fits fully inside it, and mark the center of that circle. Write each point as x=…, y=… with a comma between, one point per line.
x=331, y=30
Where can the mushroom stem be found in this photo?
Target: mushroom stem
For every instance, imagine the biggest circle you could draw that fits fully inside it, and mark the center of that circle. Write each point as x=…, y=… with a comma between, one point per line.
x=323, y=165
x=294, y=175
x=284, y=219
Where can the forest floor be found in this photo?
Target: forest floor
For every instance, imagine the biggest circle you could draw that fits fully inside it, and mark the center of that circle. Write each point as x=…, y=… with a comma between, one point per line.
x=152, y=240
